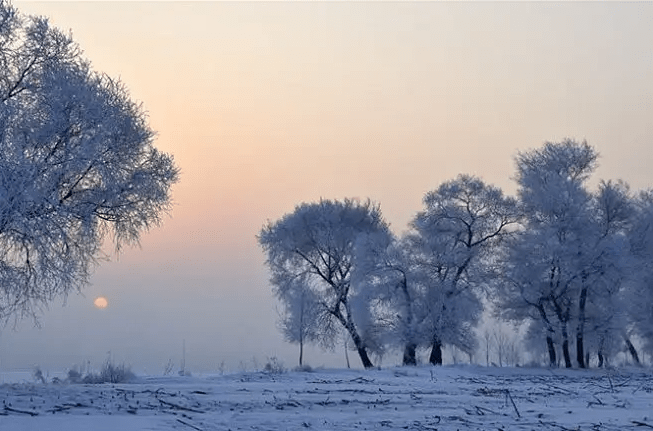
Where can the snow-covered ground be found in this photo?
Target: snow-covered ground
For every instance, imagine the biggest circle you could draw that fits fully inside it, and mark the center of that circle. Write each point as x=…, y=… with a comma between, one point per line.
x=422, y=398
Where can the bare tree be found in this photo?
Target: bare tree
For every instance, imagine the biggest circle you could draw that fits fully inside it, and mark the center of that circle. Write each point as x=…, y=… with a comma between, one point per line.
x=513, y=358
x=501, y=341
x=77, y=163
x=300, y=321
x=487, y=338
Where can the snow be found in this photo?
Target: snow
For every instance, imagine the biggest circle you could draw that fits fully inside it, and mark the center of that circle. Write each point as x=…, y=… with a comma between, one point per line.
x=402, y=398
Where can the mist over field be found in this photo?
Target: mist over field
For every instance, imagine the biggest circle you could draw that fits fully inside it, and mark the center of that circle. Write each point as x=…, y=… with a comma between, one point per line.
x=265, y=106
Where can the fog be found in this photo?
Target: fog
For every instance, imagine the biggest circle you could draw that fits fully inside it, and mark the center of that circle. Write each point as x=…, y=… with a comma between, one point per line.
x=266, y=105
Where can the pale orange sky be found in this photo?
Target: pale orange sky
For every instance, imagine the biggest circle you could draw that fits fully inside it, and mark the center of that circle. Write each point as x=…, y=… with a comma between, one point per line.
x=266, y=105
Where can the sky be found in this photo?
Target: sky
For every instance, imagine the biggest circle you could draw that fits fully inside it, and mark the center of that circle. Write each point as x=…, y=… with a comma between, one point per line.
x=265, y=105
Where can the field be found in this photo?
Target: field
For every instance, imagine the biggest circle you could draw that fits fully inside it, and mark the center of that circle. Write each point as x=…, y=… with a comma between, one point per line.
x=422, y=398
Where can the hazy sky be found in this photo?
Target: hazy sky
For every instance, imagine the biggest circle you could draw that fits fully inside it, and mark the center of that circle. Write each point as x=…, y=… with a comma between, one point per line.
x=266, y=105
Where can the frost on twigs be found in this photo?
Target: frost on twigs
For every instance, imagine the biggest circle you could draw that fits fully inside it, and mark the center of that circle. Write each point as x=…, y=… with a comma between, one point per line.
x=77, y=164
x=274, y=366
x=110, y=373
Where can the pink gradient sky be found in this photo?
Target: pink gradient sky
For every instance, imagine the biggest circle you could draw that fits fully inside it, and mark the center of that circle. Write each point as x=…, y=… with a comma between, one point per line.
x=266, y=105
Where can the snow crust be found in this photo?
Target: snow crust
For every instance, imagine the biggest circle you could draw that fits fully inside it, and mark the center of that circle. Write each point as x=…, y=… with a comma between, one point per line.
x=420, y=398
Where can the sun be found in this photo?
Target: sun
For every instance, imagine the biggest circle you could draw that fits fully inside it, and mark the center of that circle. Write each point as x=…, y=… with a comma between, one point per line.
x=101, y=302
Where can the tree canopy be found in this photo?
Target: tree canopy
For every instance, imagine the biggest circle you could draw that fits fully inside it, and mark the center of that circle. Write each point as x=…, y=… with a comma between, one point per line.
x=77, y=163
x=316, y=245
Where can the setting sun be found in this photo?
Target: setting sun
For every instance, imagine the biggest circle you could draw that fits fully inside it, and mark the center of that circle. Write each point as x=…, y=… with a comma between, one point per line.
x=101, y=302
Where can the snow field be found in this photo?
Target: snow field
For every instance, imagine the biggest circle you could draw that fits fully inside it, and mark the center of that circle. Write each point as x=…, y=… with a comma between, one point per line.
x=421, y=398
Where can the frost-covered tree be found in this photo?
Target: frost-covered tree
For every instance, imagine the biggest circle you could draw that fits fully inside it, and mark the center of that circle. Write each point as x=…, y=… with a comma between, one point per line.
x=639, y=295
x=464, y=221
x=77, y=162
x=542, y=272
x=568, y=265
x=302, y=319
x=388, y=270
x=607, y=267
x=316, y=243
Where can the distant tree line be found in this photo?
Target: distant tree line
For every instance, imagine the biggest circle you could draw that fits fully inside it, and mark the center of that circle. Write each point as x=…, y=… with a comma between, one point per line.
x=572, y=264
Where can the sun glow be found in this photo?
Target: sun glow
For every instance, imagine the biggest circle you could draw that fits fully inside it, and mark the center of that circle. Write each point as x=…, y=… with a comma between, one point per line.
x=101, y=302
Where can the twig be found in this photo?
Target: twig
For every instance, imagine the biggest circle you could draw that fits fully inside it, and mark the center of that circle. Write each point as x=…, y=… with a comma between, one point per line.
x=513, y=403
x=325, y=402
x=624, y=383
x=562, y=389
x=25, y=412
x=361, y=380
x=638, y=388
x=189, y=425
x=591, y=403
x=642, y=424
x=481, y=410
x=178, y=407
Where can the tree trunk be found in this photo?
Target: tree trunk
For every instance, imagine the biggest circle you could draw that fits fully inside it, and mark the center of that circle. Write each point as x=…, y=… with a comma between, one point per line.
x=565, y=346
x=301, y=352
x=580, y=357
x=410, y=354
x=365, y=359
x=549, y=335
x=410, y=347
x=587, y=359
x=580, y=329
x=552, y=351
x=436, y=352
x=600, y=355
x=563, y=318
x=348, y=323
x=632, y=351
x=565, y=353
x=360, y=348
